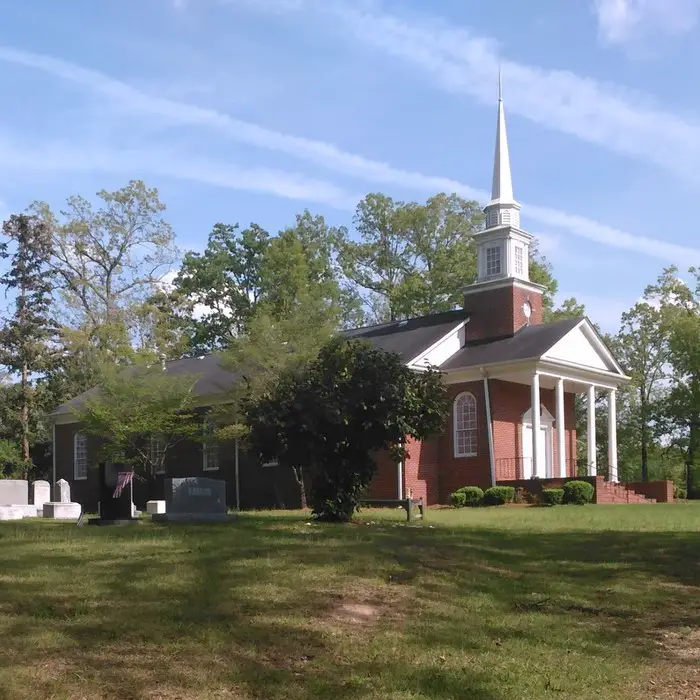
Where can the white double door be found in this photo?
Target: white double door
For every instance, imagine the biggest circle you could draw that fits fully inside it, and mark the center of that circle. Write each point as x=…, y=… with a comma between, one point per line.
x=543, y=468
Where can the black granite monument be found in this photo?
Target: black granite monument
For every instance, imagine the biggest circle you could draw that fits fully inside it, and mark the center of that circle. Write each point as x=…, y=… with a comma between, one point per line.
x=113, y=511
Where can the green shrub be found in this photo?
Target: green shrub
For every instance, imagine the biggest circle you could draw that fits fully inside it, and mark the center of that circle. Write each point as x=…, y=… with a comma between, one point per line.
x=553, y=497
x=457, y=499
x=680, y=492
x=578, y=492
x=473, y=496
x=499, y=495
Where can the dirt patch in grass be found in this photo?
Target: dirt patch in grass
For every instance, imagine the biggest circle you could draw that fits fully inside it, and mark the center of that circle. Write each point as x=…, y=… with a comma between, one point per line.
x=683, y=645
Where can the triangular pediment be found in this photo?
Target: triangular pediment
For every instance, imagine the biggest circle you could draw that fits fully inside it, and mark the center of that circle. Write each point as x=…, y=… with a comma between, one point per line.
x=583, y=347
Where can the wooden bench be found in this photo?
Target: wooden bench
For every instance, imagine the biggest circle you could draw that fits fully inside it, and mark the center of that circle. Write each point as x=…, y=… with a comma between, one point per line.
x=408, y=504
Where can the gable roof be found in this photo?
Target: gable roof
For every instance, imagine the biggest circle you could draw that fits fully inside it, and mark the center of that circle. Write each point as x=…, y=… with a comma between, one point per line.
x=412, y=336
x=529, y=342
x=212, y=379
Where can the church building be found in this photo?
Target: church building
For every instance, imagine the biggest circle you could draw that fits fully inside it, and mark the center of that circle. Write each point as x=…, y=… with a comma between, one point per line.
x=512, y=381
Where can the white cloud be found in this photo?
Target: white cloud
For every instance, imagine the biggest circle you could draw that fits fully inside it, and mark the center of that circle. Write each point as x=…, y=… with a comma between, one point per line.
x=285, y=184
x=77, y=158
x=622, y=21
x=463, y=62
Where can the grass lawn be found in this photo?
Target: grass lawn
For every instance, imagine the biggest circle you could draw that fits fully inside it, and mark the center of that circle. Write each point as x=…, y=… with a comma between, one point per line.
x=491, y=604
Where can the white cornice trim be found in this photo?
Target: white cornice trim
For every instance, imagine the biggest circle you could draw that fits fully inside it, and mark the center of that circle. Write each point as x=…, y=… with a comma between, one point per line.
x=415, y=363
x=500, y=283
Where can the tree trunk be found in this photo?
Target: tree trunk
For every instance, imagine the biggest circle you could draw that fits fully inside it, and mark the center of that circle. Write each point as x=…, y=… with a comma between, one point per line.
x=25, y=417
x=299, y=476
x=690, y=458
x=644, y=438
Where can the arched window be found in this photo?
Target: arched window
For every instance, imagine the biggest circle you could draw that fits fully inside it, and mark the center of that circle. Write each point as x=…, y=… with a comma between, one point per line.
x=464, y=425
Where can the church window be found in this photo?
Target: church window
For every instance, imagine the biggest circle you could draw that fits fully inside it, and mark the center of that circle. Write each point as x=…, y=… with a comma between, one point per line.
x=493, y=261
x=80, y=456
x=464, y=417
x=519, y=260
x=157, y=448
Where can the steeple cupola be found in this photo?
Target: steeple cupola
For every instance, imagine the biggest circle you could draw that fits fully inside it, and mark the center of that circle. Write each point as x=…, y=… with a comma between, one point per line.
x=502, y=209
x=502, y=299
x=502, y=248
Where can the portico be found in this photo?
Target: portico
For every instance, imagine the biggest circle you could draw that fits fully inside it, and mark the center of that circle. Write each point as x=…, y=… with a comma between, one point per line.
x=540, y=427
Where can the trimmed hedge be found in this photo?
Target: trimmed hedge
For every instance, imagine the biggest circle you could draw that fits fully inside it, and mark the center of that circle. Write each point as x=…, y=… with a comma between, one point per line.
x=473, y=495
x=457, y=499
x=499, y=495
x=553, y=497
x=578, y=492
x=469, y=496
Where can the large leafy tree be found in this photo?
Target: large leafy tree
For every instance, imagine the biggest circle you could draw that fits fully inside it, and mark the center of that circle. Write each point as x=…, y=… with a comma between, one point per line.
x=109, y=259
x=414, y=259
x=132, y=410
x=679, y=415
x=331, y=415
x=220, y=288
x=26, y=339
x=642, y=348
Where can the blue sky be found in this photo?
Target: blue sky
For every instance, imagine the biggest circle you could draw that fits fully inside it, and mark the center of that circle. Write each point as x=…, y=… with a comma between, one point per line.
x=252, y=110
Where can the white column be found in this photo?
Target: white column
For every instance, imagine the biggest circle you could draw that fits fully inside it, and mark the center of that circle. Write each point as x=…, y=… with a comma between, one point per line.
x=592, y=469
x=612, y=435
x=561, y=434
x=535, y=411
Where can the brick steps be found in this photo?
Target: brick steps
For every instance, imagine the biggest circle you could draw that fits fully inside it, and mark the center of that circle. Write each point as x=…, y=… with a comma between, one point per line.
x=609, y=492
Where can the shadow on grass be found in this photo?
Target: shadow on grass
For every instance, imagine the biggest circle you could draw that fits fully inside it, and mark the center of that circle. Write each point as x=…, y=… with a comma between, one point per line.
x=249, y=609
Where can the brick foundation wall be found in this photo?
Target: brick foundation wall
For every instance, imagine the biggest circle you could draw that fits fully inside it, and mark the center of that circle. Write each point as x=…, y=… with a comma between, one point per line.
x=494, y=313
x=661, y=491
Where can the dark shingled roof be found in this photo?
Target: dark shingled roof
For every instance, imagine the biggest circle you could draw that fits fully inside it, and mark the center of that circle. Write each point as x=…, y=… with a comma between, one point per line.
x=528, y=342
x=212, y=378
x=410, y=337
x=407, y=338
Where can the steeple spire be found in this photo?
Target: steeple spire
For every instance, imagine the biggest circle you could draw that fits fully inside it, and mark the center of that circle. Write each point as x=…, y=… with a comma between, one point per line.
x=502, y=209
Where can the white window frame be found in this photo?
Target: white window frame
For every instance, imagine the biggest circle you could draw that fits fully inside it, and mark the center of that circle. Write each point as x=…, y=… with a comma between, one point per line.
x=157, y=444
x=519, y=260
x=80, y=474
x=211, y=456
x=496, y=257
x=465, y=400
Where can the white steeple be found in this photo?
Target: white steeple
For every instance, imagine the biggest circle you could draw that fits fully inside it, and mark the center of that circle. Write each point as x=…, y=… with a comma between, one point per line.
x=502, y=247
x=502, y=209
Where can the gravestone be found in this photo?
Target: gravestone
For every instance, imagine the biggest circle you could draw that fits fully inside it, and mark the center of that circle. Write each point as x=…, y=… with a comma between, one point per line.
x=113, y=511
x=41, y=493
x=62, y=508
x=10, y=513
x=194, y=499
x=63, y=491
x=14, y=492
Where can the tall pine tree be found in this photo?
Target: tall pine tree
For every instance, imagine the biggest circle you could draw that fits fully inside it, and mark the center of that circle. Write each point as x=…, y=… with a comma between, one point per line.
x=25, y=340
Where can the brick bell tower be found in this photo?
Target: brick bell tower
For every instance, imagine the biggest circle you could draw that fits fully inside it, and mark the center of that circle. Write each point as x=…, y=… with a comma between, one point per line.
x=503, y=299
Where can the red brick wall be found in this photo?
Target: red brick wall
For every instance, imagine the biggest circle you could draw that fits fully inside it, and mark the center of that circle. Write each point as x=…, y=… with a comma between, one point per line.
x=661, y=491
x=494, y=313
x=509, y=401
x=421, y=471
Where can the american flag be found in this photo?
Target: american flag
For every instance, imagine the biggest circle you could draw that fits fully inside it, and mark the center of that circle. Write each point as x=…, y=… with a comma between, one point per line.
x=123, y=480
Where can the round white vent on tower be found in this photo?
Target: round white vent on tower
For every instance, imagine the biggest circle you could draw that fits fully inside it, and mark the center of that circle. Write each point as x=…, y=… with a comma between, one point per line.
x=527, y=309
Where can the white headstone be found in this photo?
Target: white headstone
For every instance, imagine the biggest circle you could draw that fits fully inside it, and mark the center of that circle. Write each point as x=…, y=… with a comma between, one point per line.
x=62, y=511
x=63, y=488
x=41, y=493
x=10, y=513
x=14, y=491
x=155, y=507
